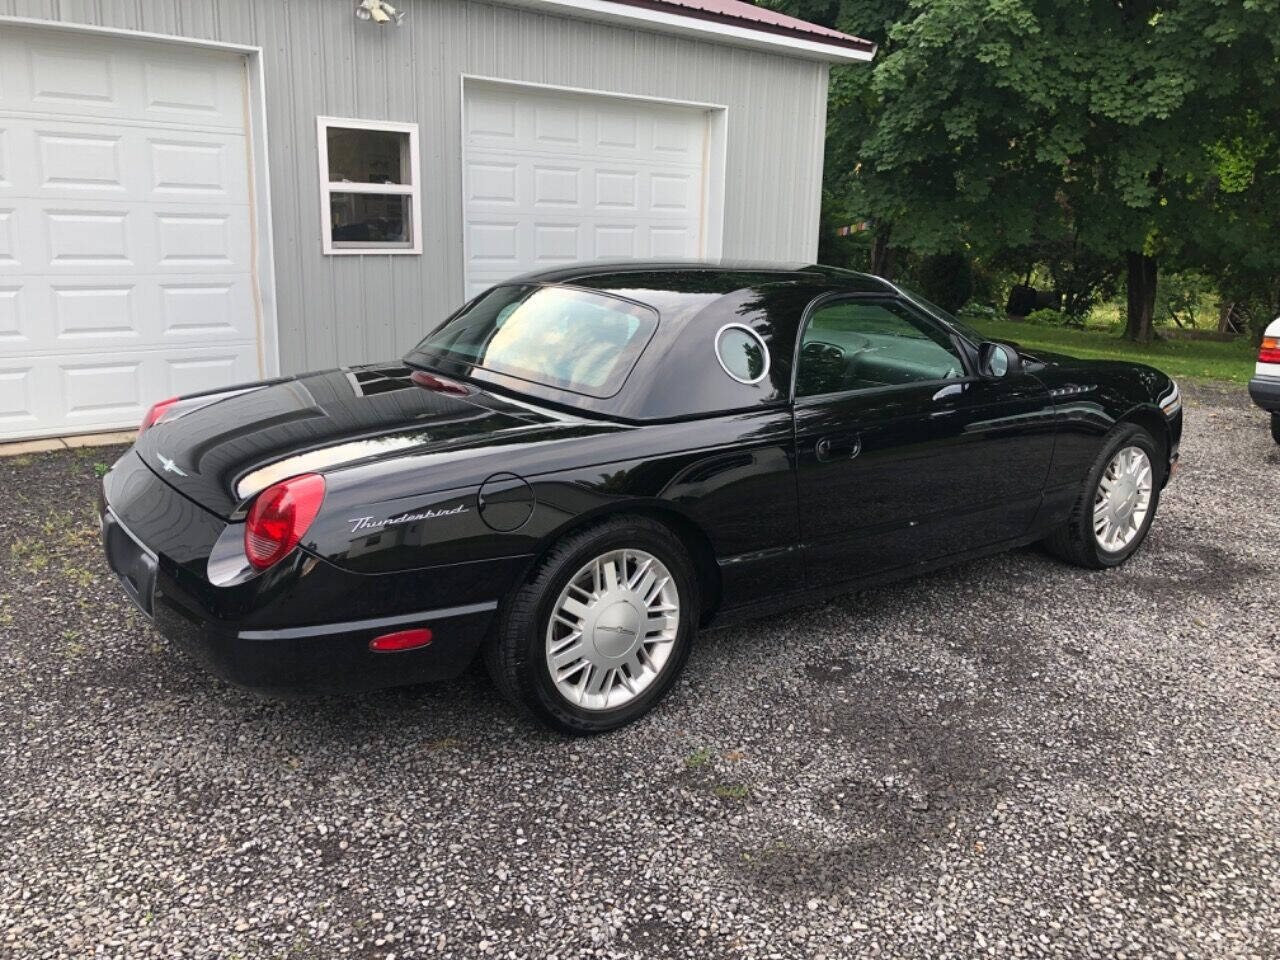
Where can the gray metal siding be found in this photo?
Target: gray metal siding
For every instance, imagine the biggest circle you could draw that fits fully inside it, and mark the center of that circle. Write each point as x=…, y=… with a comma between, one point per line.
x=318, y=59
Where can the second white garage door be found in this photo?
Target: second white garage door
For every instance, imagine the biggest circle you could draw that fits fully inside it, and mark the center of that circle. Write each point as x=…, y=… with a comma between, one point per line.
x=125, y=247
x=553, y=177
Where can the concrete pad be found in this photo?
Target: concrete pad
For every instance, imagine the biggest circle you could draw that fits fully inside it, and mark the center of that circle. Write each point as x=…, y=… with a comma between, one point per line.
x=47, y=444
x=101, y=439
x=24, y=447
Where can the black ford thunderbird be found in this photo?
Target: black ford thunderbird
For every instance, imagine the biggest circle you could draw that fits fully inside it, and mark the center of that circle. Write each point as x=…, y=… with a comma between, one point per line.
x=581, y=467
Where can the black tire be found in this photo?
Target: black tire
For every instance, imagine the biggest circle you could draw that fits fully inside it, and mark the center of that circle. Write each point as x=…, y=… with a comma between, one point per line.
x=516, y=657
x=1275, y=427
x=1074, y=541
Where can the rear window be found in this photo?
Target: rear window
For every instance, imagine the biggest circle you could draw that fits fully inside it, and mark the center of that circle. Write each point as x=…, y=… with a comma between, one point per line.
x=561, y=337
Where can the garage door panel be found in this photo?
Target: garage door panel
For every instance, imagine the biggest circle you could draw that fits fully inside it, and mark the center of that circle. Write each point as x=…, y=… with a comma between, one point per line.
x=531, y=184
x=96, y=313
x=555, y=186
x=189, y=241
x=583, y=125
x=126, y=271
x=556, y=124
x=615, y=240
x=52, y=73
x=41, y=158
x=555, y=243
x=17, y=410
x=197, y=168
x=12, y=320
x=91, y=313
x=66, y=76
x=674, y=193
x=213, y=309
x=94, y=389
x=80, y=161
x=79, y=238
x=8, y=237
x=206, y=371
x=70, y=236
x=675, y=241
x=495, y=241
x=109, y=390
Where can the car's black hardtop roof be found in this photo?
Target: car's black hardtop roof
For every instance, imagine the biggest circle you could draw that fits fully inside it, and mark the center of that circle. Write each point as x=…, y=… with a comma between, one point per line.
x=703, y=276
x=678, y=375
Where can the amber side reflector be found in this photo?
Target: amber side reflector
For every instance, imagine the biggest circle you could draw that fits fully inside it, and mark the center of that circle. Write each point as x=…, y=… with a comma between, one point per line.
x=400, y=640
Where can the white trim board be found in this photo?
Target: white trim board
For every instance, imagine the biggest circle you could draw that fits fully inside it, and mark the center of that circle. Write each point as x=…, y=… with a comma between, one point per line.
x=689, y=25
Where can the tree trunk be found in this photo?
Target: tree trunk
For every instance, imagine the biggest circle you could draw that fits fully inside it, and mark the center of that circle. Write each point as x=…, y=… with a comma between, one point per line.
x=1224, y=316
x=882, y=253
x=1139, y=320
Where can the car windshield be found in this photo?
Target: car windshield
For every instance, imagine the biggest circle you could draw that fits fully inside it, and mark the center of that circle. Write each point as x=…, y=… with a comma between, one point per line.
x=945, y=315
x=562, y=337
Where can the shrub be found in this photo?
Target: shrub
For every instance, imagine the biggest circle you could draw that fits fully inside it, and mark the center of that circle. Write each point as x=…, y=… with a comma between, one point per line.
x=1048, y=318
x=977, y=311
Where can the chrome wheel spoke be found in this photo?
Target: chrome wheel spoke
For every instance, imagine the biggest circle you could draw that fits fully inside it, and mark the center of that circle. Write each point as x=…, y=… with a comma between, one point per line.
x=612, y=629
x=1123, y=499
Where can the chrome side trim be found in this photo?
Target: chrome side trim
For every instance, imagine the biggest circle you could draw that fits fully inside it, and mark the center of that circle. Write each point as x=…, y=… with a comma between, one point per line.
x=356, y=626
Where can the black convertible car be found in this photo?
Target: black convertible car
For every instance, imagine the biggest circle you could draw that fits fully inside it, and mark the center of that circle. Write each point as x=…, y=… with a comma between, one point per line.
x=581, y=467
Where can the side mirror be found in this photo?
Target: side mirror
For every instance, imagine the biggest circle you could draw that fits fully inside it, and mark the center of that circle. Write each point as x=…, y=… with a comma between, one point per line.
x=997, y=360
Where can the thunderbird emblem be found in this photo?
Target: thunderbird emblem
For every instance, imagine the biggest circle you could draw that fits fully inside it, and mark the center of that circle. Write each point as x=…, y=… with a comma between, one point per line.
x=170, y=466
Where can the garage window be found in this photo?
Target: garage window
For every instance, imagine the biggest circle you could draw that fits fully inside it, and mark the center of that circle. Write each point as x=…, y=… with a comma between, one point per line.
x=369, y=186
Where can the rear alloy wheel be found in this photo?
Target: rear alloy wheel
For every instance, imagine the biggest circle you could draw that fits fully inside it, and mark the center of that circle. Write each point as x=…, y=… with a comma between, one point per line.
x=612, y=629
x=1113, y=513
x=601, y=629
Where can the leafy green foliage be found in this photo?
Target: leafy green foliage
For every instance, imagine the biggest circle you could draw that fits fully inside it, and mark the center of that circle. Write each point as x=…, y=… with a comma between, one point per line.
x=1051, y=318
x=1077, y=135
x=947, y=280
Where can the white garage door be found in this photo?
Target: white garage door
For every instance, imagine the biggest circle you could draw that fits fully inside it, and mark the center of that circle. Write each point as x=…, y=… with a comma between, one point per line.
x=125, y=249
x=552, y=177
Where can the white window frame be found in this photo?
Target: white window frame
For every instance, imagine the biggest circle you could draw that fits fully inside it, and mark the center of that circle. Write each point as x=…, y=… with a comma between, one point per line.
x=412, y=189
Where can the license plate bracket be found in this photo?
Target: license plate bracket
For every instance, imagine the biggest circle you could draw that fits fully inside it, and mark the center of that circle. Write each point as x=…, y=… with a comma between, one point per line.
x=131, y=562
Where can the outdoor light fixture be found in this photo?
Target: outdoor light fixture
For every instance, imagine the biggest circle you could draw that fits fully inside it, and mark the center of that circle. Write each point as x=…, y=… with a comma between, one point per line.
x=379, y=11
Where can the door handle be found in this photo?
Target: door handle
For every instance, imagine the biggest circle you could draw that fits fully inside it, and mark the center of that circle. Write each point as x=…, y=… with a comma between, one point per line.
x=838, y=447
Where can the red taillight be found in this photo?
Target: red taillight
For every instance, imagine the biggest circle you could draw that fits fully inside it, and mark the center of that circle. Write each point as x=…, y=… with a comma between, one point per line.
x=400, y=640
x=155, y=413
x=280, y=516
x=1270, y=350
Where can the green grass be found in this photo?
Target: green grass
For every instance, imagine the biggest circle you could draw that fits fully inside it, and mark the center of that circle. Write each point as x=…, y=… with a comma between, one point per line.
x=699, y=758
x=1195, y=359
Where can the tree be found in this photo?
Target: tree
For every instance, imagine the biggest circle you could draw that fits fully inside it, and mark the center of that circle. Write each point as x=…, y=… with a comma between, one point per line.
x=997, y=124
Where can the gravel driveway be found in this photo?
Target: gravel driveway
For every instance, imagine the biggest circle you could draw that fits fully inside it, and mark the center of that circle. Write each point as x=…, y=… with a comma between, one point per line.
x=1009, y=758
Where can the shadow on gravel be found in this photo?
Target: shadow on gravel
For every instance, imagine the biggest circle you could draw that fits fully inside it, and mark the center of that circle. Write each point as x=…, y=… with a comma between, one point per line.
x=1206, y=570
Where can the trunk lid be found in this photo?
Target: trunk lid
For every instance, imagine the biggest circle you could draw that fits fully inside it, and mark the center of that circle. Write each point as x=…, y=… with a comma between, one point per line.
x=220, y=449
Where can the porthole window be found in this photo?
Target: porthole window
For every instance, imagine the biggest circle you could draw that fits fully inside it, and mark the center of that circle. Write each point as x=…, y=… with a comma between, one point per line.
x=742, y=353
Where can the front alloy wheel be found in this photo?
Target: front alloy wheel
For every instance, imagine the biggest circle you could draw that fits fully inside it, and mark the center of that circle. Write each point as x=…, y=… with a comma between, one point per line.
x=1116, y=504
x=1122, y=499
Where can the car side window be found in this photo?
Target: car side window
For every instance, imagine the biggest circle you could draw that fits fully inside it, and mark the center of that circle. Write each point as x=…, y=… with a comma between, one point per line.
x=864, y=344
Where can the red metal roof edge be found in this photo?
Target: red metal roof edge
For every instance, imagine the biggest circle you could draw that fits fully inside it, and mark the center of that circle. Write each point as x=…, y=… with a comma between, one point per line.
x=751, y=17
